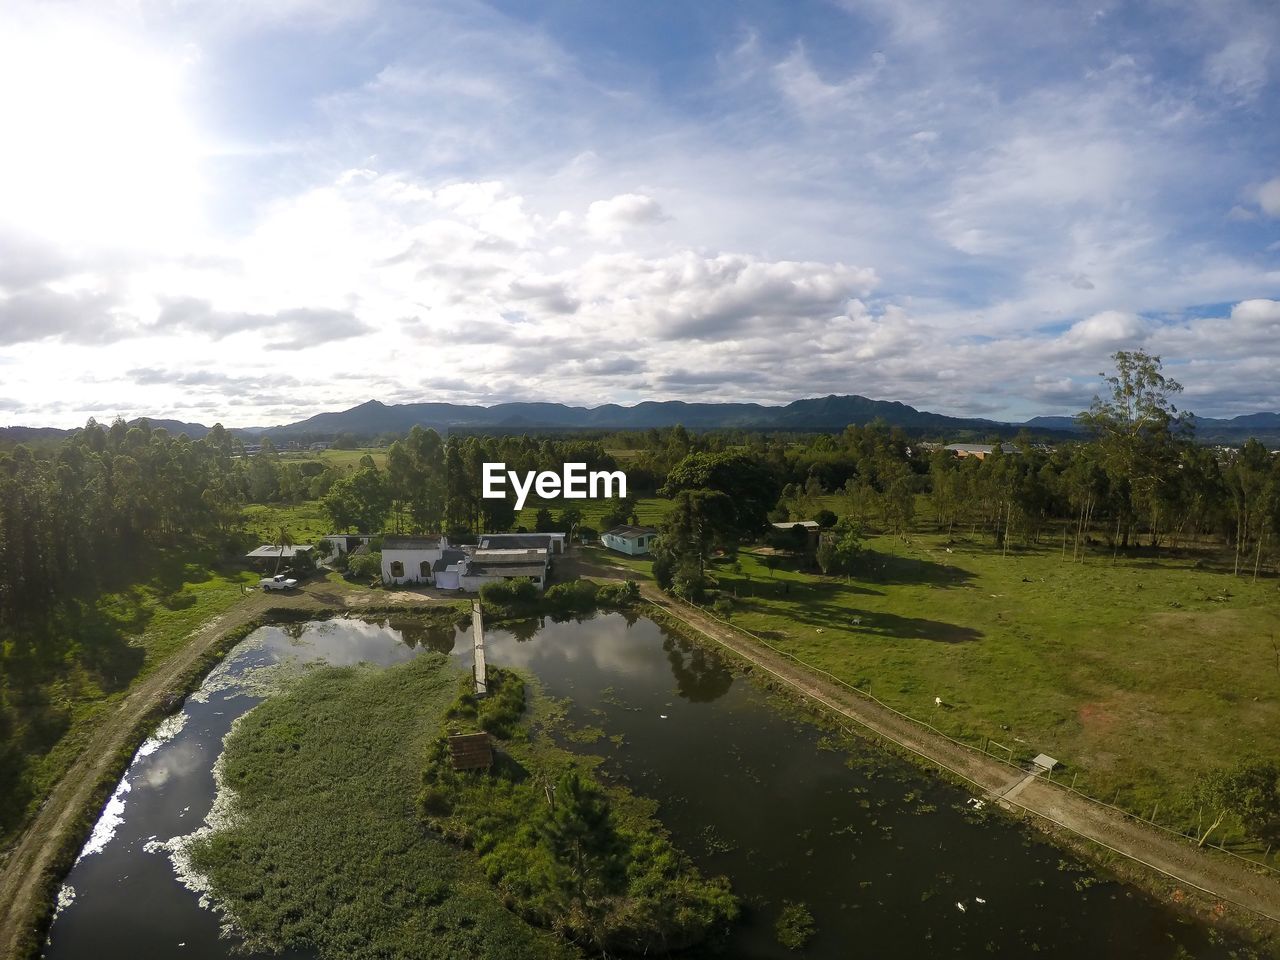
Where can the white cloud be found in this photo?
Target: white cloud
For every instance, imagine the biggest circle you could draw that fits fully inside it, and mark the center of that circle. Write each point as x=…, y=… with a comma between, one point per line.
x=1269, y=197
x=1111, y=329
x=615, y=216
x=943, y=204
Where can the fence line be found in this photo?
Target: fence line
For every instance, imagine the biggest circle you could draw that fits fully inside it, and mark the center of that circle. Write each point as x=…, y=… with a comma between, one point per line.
x=959, y=743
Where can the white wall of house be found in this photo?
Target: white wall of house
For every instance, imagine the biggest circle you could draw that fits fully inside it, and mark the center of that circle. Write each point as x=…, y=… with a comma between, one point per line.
x=409, y=566
x=632, y=546
x=449, y=578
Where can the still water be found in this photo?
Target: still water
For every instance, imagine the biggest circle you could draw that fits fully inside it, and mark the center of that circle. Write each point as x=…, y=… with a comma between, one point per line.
x=890, y=862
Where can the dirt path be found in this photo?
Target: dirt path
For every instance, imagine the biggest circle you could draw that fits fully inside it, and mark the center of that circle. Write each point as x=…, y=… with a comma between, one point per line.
x=1216, y=877
x=21, y=893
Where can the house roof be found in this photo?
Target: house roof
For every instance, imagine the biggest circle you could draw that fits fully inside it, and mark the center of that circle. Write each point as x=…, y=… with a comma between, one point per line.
x=448, y=559
x=411, y=543
x=270, y=551
x=630, y=532
x=980, y=448
x=489, y=570
x=519, y=541
x=508, y=557
x=807, y=524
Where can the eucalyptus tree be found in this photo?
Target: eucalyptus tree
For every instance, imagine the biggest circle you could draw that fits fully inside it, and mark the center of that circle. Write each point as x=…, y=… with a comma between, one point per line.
x=1135, y=429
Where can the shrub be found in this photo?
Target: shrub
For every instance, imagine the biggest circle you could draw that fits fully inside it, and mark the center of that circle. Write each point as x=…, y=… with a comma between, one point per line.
x=577, y=596
x=723, y=608
x=618, y=594
x=509, y=593
x=365, y=566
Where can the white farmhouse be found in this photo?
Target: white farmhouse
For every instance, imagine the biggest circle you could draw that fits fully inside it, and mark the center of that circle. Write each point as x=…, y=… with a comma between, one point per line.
x=411, y=559
x=633, y=541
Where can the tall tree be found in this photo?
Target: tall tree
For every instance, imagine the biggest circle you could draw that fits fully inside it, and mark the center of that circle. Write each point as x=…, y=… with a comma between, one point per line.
x=1134, y=428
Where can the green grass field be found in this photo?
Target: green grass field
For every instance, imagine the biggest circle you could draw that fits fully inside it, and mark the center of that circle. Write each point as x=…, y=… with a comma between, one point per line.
x=649, y=511
x=1138, y=675
x=306, y=521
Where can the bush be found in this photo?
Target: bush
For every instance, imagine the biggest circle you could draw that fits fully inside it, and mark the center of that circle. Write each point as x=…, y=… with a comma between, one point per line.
x=365, y=566
x=723, y=608
x=618, y=594
x=588, y=534
x=509, y=593
x=826, y=519
x=577, y=596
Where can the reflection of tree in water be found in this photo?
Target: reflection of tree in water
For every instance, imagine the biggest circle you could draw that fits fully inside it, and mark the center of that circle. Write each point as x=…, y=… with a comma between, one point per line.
x=700, y=676
x=524, y=630
x=294, y=630
x=439, y=638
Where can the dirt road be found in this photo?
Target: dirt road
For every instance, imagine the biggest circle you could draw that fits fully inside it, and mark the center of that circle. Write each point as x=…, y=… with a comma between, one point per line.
x=1215, y=877
x=22, y=892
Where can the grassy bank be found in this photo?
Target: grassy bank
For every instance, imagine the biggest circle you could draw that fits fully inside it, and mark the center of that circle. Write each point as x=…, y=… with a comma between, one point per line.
x=114, y=767
x=327, y=850
x=1138, y=674
x=55, y=691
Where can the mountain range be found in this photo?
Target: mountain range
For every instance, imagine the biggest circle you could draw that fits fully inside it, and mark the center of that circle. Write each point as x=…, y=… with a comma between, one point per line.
x=374, y=419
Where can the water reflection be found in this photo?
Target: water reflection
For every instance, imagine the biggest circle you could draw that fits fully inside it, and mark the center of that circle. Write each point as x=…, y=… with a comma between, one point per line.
x=700, y=676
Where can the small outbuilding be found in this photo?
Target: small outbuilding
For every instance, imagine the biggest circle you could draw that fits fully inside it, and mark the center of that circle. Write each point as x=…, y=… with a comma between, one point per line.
x=631, y=540
x=271, y=554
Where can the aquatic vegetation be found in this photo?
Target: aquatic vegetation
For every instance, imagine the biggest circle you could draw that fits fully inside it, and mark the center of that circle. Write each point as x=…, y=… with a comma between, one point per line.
x=320, y=847
x=795, y=926
x=566, y=850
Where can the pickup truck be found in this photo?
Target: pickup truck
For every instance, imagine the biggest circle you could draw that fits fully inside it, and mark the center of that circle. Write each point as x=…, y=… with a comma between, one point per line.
x=278, y=582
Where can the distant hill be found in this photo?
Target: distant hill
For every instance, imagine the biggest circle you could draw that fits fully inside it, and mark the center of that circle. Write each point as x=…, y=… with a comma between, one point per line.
x=824, y=413
x=1263, y=426
x=373, y=419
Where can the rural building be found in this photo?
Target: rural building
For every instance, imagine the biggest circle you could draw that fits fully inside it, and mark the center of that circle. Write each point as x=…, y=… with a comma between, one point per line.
x=978, y=450
x=784, y=531
x=411, y=559
x=553, y=543
x=628, y=539
x=269, y=554
x=492, y=565
x=498, y=557
x=447, y=571
x=334, y=544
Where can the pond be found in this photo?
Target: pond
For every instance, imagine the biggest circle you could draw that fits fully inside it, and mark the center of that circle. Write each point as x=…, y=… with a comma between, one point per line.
x=889, y=860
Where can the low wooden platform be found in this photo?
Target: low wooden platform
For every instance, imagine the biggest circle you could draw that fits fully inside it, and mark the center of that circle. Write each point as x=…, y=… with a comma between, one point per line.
x=471, y=751
x=477, y=635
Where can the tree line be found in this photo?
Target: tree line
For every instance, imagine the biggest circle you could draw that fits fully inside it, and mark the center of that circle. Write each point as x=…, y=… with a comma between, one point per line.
x=100, y=498
x=1138, y=480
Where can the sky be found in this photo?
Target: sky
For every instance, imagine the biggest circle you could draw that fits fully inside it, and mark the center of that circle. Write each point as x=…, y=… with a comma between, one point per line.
x=251, y=211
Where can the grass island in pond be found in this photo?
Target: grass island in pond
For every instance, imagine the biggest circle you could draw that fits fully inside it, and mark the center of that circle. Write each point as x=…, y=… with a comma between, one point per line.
x=349, y=836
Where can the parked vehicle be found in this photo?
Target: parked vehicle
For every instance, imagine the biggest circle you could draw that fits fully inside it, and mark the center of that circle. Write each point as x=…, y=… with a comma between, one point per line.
x=278, y=582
